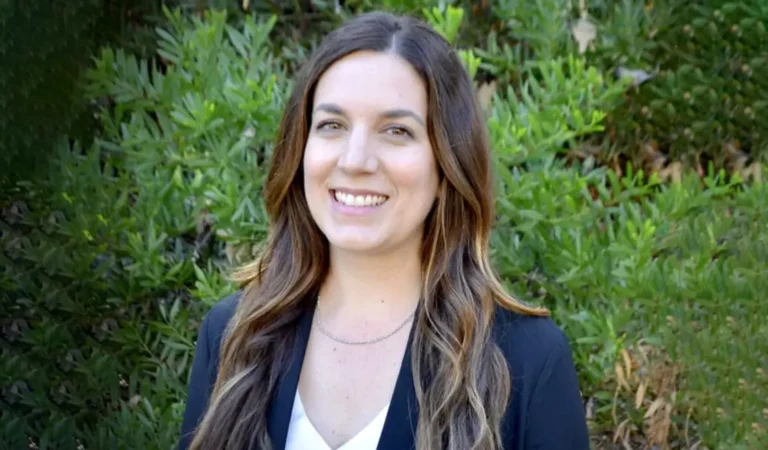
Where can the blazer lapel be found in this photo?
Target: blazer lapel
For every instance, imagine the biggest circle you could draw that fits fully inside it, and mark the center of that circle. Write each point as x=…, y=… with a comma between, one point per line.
x=400, y=425
x=281, y=406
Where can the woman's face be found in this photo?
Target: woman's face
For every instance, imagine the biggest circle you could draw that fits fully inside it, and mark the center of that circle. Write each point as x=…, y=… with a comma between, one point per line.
x=370, y=176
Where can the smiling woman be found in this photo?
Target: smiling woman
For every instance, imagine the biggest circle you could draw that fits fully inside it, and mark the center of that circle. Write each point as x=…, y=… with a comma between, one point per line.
x=368, y=140
x=379, y=323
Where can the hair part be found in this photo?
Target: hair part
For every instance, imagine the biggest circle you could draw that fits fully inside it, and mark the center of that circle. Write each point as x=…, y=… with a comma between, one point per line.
x=461, y=378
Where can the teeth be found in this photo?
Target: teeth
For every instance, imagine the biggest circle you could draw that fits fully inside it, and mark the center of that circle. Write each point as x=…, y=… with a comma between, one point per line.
x=359, y=200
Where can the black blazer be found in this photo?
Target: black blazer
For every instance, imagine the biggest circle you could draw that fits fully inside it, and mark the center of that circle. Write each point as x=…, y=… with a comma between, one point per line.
x=545, y=412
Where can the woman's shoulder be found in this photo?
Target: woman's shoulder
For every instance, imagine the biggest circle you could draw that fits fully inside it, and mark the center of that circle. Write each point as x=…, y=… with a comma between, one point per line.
x=546, y=410
x=216, y=319
x=528, y=341
x=222, y=311
x=205, y=363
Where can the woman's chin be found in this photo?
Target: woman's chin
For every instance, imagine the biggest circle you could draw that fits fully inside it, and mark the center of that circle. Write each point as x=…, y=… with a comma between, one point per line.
x=356, y=244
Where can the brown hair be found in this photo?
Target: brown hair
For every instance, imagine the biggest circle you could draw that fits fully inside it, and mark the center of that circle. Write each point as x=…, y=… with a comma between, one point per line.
x=462, y=405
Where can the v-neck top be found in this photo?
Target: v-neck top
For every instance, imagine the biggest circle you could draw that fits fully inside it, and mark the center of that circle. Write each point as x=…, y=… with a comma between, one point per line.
x=302, y=435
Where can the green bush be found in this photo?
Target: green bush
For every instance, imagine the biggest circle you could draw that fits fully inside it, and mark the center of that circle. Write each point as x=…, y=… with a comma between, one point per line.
x=707, y=95
x=112, y=258
x=107, y=260
x=629, y=264
x=699, y=95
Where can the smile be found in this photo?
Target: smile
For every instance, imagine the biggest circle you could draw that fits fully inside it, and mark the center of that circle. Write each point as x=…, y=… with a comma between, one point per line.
x=349, y=199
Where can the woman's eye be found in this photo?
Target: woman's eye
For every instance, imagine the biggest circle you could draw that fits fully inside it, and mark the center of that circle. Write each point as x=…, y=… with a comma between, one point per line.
x=399, y=131
x=329, y=125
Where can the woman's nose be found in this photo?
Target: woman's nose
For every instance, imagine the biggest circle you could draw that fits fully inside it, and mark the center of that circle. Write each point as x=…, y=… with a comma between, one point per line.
x=358, y=154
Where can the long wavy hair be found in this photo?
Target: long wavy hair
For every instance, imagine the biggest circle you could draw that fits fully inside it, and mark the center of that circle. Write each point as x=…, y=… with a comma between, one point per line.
x=461, y=378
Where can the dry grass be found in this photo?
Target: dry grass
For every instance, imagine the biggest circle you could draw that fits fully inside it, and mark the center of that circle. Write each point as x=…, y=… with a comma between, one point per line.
x=646, y=383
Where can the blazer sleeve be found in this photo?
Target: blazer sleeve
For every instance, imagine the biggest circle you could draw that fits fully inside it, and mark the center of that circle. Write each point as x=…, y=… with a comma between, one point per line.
x=200, y=385
x=556, y=418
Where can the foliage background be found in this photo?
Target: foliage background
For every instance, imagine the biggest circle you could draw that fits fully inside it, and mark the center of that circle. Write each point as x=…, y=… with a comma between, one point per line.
x=629, y=153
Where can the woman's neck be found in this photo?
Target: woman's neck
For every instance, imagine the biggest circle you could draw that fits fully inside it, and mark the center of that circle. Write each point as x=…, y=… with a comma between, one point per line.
x=372, y=286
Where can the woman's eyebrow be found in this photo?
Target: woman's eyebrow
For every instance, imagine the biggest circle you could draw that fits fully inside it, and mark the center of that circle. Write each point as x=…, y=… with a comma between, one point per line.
x=396, y=113
x=390, y=114
x=330, y=108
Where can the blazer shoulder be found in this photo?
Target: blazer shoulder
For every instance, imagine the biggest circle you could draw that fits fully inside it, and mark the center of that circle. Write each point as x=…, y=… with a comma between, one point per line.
x=528, y=339
x=205, y=363
x=546, y=409
x=217, y=318
x=222, y=311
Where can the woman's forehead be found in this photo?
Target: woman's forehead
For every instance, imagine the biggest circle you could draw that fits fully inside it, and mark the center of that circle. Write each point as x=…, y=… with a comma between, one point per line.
x=372, y=80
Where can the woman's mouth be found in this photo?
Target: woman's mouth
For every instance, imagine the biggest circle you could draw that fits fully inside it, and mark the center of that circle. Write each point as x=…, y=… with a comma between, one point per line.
x=358, y=201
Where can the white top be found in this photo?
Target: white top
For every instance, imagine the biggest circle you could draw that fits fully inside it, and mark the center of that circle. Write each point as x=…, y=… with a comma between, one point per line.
x=302, y=435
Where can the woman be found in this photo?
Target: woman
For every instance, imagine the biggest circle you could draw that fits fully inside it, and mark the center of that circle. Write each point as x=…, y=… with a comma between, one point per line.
x=373, y=319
